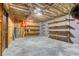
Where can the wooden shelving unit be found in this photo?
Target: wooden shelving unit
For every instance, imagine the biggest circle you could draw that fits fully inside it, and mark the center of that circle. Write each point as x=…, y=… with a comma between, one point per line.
x=59, y=30
x=33, y=29
x=57, y=21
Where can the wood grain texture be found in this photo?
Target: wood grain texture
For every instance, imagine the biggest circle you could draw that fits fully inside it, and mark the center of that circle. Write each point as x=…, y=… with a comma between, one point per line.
x=33, y=28
x=61, y=27
x=63, y=33
x=57, y=21
x=0, y=29
x=65, y=39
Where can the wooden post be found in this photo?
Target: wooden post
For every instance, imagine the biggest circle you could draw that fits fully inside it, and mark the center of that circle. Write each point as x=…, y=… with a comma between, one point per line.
x=1, y=29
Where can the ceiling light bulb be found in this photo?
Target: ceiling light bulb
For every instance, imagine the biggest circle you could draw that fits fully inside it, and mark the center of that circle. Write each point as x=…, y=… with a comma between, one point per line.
x=38, y=11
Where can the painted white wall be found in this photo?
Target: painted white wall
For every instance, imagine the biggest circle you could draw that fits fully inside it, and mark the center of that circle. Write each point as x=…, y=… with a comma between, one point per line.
x=43, y=29
x=75, y=32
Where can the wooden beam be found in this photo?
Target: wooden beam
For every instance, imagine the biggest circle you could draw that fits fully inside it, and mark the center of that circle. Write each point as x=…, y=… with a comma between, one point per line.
x=63, y=6
x=1, y=14
x=19, y=9
x=19, y=6
x=51, y=13
x=62, y=11
x=46, y=9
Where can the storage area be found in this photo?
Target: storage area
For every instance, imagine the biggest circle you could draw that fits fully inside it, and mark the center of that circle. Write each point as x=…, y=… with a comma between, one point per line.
x=39, y=29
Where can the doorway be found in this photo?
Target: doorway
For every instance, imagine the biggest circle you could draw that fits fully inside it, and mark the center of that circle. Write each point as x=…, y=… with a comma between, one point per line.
x=5, y=30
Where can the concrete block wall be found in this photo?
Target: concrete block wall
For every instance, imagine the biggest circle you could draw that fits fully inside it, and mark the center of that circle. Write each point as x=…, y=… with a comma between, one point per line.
x=75, y=31
x=43, y=29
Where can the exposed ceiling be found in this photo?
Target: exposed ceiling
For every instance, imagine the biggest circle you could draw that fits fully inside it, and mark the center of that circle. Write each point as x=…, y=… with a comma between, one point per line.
x=49, y=11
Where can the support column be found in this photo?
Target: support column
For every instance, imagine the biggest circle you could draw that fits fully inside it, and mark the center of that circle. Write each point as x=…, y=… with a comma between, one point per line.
x=1, y=29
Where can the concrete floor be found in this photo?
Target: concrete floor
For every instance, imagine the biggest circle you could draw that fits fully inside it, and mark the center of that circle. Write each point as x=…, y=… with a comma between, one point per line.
x=41, y=46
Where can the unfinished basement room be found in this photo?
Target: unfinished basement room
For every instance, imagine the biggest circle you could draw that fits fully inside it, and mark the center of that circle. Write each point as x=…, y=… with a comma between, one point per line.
x=39, y=29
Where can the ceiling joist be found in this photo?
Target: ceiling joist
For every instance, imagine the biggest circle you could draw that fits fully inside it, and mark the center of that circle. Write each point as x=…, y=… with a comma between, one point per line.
x=49, y=10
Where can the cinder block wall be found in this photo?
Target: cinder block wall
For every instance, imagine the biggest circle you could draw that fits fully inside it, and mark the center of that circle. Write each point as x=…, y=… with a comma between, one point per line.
x=44, y=29
x=75, y=31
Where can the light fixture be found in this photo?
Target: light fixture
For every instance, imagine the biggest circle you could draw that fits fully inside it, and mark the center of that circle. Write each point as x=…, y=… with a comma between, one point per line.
x=38, y=11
